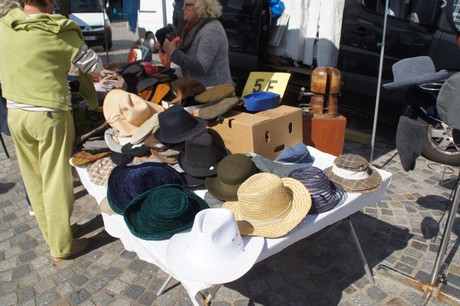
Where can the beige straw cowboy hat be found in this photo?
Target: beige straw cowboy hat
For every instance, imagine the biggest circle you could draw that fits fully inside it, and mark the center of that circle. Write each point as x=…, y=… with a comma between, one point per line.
x=270, y=206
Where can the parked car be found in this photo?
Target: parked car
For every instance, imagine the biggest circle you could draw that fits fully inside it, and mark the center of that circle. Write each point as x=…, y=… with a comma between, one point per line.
x=92, y=18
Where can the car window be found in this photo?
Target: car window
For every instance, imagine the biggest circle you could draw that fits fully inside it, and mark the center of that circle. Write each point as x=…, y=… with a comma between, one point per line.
x=81, y=6
x=396, y=8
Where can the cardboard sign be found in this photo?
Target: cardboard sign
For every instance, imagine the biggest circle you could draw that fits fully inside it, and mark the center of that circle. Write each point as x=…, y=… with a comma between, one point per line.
x=267, y=81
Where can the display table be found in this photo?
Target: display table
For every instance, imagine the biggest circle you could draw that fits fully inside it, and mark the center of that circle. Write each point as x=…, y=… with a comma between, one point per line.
x=155, y=251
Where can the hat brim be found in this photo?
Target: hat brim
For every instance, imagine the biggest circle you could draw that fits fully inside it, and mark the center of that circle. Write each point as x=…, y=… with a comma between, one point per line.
x=370, y=184
x=132, y=216
x=221, y=191
x=338, y=197
x=180, y=137
x=194, y=169
x=182, y=265
x=193, y=181
x=413, y=80
x=299, y=208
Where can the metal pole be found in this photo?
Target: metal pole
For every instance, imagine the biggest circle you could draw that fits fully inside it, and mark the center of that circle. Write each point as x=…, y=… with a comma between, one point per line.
x=445, y=237
x=379, y=82
x=165, y=20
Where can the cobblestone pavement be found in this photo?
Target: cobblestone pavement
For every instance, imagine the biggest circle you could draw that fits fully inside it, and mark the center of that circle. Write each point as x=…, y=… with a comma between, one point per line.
x=402, y=231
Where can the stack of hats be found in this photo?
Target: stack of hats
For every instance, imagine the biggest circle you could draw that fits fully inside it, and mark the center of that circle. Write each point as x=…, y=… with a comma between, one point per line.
x=354, y=174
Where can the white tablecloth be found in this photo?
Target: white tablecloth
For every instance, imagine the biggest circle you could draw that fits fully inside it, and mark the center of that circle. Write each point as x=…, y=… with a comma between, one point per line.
x=155, y=251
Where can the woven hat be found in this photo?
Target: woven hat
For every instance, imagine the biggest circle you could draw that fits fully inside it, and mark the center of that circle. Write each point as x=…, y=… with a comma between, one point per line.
x=100, y=170
x=177, y=125
x=232, y=171
x=115, y=140
x=447, y=103
x=218, y=109
x=200, y=158
x=150, y=126
x=414, y=70
x=161, y=212
x=261, y=100
x=127, y=182
x=216, y=93
x=270, y=206
x=126, y=112
x=214, y=251
x=354, y=174
x=325, y=194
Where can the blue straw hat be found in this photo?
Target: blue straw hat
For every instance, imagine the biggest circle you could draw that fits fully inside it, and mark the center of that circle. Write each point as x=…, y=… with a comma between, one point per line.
x=161, y=212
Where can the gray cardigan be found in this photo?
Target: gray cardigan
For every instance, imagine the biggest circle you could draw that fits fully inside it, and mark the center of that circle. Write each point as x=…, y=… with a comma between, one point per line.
x=206, y=58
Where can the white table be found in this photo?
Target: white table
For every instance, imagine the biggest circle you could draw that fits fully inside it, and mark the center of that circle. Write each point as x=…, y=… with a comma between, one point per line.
x=155, y=251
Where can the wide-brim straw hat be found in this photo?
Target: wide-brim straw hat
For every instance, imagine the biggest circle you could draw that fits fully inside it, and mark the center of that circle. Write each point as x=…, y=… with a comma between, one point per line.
x=354, y=174
x=126, y=112
x=270, y=206
x=214, y=251
x=414, y=70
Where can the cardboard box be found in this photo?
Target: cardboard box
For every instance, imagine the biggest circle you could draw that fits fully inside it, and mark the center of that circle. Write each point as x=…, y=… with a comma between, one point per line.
x=325, y=133
x=266, y=133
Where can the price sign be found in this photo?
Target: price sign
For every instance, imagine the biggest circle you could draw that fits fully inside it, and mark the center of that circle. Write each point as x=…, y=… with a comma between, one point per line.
x=267, y=81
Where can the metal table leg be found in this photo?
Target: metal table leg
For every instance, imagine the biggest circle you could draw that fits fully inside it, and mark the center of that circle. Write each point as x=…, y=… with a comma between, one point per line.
x=360, y=251
x=433, y=288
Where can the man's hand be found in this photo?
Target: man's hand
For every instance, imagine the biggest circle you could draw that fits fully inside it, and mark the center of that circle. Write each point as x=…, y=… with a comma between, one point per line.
x=169, y=46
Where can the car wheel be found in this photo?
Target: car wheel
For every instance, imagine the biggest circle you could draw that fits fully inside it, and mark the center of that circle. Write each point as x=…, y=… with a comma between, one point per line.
x=442, y=144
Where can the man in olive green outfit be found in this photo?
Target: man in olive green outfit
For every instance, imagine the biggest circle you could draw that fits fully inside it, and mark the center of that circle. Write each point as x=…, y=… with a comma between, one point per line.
x=37, y=49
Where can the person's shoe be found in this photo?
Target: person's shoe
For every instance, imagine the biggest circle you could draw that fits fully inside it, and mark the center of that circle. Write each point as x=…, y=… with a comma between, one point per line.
x=75, y=228
x=78, y=246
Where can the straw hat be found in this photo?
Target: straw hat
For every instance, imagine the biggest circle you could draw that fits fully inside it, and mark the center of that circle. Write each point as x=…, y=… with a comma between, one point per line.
x=414, y=70
x=126, y=112
x=270, y=206
x=161, y=212
x=354, y=174
x=214, y=251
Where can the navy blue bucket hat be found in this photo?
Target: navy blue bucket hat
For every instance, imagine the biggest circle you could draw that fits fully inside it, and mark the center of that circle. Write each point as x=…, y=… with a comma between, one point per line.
x=127, y=182
x=325, y=194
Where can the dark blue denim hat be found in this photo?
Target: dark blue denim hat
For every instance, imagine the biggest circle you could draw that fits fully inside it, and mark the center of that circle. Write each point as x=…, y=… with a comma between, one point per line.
x=127, y=182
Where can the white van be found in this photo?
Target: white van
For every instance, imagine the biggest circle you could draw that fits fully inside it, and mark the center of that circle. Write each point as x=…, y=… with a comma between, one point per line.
x=154, y=15
x=92, y=18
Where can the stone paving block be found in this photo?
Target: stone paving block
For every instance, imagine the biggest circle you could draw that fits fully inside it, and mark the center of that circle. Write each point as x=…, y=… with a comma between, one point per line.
x=78, y=297
x=103, y=298
x=133, y=291
x=47, y=298
x=20, y=271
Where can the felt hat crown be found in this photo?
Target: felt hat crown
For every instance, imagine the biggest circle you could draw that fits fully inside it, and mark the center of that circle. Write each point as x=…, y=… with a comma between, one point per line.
x=177, y=125
x=126, y=112
x=354, y=174
x=232, y=171
x=270, y=206
x=127, y=182
x=414, y=70
x=214, y=251
x=161, y=212
x=325, y=195
x=201, y=155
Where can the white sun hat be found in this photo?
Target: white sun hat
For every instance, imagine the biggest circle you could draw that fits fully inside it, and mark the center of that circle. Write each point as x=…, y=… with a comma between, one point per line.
x=214, y=251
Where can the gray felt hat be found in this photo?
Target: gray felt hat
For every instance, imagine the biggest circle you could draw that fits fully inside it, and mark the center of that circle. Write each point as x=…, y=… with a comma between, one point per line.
x=414, y=70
